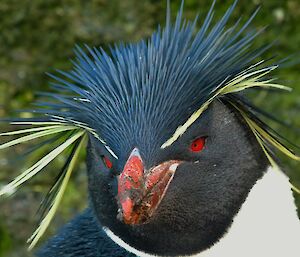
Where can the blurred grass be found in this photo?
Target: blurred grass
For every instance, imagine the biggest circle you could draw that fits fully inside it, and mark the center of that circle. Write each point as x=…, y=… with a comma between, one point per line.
x=39, y=36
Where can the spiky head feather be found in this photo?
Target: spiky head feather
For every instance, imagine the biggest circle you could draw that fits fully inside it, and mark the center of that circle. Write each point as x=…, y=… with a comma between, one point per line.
x=147, y=89
x=154, y=89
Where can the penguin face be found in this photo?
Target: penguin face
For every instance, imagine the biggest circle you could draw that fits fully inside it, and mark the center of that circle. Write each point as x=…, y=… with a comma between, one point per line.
x=201, y=181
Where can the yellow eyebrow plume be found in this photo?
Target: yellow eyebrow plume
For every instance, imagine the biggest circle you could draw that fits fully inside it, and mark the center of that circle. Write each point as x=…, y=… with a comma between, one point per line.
x=246, y=79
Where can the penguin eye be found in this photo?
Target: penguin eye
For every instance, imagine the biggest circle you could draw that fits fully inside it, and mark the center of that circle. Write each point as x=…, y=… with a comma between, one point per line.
x=198, y=144
x=107, y=162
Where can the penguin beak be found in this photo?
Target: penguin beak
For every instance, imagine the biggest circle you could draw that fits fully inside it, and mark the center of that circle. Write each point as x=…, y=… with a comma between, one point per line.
x=140, y=191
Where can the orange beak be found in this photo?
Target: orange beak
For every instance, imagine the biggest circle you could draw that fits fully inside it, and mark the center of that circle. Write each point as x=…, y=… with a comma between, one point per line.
x=140, y=192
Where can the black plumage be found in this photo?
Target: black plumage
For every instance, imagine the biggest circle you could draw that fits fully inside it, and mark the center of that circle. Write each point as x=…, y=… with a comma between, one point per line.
x=86, y=240
x=121, y=95
x=152, y=101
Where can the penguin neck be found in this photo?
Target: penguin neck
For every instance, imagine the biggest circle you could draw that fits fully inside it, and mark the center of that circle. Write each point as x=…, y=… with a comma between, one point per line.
x=266, y=225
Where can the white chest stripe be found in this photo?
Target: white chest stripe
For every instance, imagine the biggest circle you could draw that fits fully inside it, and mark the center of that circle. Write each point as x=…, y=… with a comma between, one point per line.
x=266, y=225
x=126, y=246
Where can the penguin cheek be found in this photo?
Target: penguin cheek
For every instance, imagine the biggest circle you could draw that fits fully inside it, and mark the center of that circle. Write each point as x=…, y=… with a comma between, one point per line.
x=102, y=191
x=179, y=205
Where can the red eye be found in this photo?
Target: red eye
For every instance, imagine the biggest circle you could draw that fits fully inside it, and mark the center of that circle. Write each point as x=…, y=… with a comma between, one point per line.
x=107, y=162
x=198, y=144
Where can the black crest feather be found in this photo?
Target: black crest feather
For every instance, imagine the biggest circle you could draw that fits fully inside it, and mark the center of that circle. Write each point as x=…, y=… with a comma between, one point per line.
x=147, y=89
x=152, y=90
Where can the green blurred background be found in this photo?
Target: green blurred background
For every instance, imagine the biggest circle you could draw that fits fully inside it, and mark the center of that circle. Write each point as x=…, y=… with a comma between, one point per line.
x=38, y=36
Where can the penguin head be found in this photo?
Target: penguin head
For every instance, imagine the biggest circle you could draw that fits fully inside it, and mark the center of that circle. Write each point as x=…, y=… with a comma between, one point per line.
x=182, y=199
x=174, y=145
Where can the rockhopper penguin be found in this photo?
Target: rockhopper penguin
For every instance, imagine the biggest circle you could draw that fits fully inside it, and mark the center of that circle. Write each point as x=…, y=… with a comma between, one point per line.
x=178, y=159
